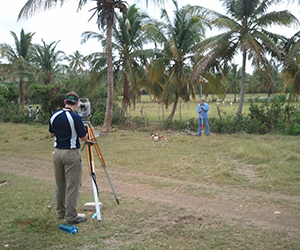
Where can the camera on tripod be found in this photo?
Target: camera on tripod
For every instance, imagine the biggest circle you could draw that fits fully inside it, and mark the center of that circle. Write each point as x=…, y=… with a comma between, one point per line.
x=84, y=109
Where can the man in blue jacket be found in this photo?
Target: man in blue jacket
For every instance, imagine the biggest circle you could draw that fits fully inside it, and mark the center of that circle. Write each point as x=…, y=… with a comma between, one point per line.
x=67, y=127
x=202, y=111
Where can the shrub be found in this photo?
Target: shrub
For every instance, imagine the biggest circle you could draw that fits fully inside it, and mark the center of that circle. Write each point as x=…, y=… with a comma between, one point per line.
x=11, y=112
x=192, y=125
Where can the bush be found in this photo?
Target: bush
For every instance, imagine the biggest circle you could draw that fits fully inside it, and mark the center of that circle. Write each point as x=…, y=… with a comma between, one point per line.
x=11, y=112
x=192, y=125
x=270, y=115
x=294, y=129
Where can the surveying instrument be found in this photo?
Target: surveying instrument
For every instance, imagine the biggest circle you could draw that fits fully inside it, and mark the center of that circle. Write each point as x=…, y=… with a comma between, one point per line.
x=84, y=110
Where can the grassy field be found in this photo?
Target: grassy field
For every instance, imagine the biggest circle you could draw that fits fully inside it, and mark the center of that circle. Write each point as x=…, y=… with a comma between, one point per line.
x=212, y=192
x=185, y=111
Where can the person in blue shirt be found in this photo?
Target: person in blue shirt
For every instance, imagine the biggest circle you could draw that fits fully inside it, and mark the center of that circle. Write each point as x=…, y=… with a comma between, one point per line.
x=203, y=106
x=67, y=127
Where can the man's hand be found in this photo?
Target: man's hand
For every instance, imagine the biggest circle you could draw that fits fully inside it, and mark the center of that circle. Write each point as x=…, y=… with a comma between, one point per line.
x=90, y=142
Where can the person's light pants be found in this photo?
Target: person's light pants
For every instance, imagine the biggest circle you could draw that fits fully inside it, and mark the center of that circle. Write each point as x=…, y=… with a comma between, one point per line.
x=68, y=176
x=206, y=125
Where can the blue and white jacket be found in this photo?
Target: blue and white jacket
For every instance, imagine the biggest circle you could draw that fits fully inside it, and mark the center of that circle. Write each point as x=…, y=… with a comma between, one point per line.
x=205, y=110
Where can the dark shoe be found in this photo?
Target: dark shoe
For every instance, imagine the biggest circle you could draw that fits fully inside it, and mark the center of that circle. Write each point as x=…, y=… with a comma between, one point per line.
x=60, y=217
x=80, y=218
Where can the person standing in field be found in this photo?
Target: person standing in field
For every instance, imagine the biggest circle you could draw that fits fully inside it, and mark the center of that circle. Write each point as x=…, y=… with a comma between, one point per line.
x=67, y=127
x=202, y=110
x=38, y=113
x=30, y=113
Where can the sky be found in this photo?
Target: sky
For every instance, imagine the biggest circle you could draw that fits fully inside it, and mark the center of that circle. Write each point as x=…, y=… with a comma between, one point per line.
x=66, y=24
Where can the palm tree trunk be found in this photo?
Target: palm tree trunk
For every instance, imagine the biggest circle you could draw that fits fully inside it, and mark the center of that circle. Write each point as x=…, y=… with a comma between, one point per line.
x=163, y=112
x=133, y=100
x=170, y=118
x=234, y=95
x=241, y=102
x=126, y=99
x=21, y=92
x=180, y=110
x=110, y=82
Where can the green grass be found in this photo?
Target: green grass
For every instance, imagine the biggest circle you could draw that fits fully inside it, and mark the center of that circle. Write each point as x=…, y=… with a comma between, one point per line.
x=185, y=111
x=267, y=167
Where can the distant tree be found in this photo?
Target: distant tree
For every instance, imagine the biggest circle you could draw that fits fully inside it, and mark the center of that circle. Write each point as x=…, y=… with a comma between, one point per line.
x=128, y=40
x=76, y=61
x=268, y=84
x=291, y=62
x=179, y=37
x=245, y=31
x=234, y=79
x=19, y=57
x=47, y=61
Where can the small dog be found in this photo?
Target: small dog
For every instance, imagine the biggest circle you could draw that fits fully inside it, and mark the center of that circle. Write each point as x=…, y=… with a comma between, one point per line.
x=155, y=137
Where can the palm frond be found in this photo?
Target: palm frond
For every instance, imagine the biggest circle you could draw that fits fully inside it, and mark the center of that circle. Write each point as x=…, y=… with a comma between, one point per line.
x=284, y=18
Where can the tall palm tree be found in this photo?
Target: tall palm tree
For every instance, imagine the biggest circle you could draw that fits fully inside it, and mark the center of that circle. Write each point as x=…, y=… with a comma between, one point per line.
x=18, y=57
x=105, y=10
x=245, y=32
x=178, y=37
x=46, y=59
x=128, y=40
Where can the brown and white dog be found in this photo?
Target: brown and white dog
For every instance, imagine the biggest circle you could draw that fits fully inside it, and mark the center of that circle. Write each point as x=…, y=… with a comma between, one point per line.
x=155, y=137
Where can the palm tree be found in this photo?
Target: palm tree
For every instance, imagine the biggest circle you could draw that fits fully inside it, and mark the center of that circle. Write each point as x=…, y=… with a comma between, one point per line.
x=291, y=62
x=233, y=80
x=46, y=59
x=128, y=41
x=18, y=58
x=171, y=71
x=76, y=61
x=245, y=25
x=105, y=10
x=270, y=84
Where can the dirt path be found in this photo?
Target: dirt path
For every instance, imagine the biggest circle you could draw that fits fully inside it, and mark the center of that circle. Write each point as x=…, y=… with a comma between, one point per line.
x=228, y=205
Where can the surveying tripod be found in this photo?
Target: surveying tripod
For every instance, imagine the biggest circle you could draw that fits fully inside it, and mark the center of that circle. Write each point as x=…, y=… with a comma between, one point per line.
x=92, y=141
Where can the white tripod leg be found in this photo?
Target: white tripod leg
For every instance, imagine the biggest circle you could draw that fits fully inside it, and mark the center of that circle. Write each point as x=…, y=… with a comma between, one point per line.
x=96, y=202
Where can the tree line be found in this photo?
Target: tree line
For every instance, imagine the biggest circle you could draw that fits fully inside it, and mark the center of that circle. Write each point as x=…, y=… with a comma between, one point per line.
x=166, y=57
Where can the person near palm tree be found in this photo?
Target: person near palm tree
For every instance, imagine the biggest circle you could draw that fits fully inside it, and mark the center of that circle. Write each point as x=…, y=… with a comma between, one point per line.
x=67, y=127
x=30, y=113
x=202, y=111
x=38, y=113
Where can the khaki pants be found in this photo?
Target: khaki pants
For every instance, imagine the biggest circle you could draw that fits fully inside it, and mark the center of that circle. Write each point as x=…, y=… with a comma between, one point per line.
x=68, y=176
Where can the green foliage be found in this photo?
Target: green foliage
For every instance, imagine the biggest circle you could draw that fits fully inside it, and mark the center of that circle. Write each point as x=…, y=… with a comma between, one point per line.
x=294, y=129
x=234, y=124
x=270, y=116
x=10, y=94
x=11, y=112
x=50, y=97
x=192, y=124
